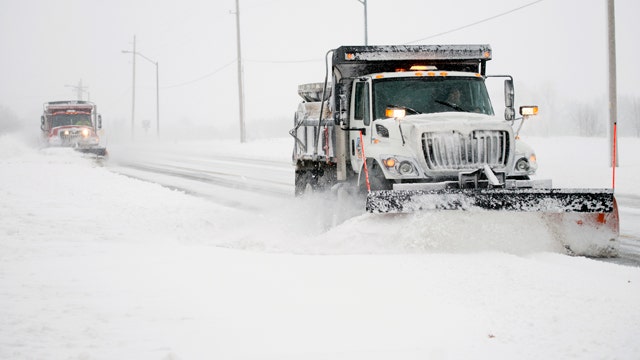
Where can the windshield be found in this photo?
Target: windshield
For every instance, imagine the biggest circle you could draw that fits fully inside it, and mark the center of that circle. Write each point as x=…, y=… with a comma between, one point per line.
x=71, y=119
x=425, y=95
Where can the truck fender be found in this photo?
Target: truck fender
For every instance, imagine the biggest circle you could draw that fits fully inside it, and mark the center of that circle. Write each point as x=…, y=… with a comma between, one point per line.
x=377, y=180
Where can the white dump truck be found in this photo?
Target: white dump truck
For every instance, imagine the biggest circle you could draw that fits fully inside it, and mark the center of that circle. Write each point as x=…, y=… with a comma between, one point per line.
x=414, y=129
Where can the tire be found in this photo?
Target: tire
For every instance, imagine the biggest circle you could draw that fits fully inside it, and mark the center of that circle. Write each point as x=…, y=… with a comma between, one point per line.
x=377, y=181
x=303, y=178
x=318, y=179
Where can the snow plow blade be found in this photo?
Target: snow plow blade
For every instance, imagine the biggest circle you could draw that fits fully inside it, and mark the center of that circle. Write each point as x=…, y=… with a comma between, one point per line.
x=584, y=221
x=97, y=151
x=530, y=200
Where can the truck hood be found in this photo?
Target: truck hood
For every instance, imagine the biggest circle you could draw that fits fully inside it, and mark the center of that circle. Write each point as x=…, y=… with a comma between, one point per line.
x=436, y=139
x=454, y=121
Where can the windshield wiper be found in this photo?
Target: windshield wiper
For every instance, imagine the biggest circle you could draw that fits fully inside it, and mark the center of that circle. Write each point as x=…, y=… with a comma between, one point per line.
x=451, y=105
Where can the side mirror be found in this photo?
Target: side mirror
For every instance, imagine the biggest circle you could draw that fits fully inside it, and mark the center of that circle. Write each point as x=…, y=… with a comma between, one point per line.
x=337, y=115
x=509, y=114
x=99, y=121
x=42, y=122
x=509, y=95
x=341, y=116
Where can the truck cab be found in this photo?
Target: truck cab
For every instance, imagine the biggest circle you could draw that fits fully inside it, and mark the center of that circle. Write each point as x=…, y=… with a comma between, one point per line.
x=72, y=124
x=411, y=116
x=430, y=126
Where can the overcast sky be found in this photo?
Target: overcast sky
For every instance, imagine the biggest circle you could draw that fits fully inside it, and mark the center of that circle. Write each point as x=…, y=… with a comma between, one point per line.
x=556, y=47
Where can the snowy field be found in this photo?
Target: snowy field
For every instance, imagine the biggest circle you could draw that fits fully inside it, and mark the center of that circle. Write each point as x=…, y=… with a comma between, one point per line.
x=97, y=265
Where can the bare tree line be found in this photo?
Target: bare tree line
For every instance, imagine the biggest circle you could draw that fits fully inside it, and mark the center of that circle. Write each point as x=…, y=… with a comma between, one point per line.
x=588, y=118
x=629, y=116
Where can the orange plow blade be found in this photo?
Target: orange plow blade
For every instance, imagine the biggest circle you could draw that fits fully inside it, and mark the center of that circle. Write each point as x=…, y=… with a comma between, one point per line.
x=588, y=234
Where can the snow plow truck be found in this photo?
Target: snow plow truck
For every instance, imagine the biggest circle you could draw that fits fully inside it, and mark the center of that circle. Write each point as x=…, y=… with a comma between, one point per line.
x=413, y=128
x=73, y=123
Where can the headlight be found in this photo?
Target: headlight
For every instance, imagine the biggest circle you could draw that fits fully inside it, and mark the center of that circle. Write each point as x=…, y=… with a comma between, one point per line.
x=406, y=168
x=85, y=132
x=390, y=162
x=522, y=165
x=399, y=166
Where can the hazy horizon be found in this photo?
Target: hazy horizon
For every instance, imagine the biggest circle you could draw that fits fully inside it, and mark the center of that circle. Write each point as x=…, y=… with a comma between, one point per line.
x=556, y=51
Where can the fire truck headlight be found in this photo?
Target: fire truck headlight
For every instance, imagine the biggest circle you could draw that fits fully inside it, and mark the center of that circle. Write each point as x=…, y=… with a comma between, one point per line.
x=85, y=132
x=66, y=132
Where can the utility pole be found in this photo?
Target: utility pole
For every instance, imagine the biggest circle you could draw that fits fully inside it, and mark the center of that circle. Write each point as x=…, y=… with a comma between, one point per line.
x=133, y=88
x=240, y=80
x=613, y=96
x=157, y=101
x=80, y=90
x=157, y=86
x=366, y=40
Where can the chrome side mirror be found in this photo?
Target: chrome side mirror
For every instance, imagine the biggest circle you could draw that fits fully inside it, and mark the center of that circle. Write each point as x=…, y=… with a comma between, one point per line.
x=509, y=95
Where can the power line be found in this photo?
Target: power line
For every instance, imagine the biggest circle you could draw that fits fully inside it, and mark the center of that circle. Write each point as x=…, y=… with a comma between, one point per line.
x=203, y=76
x=316, y=60
x=475, y=23
x=410, y=42
x=283, y=61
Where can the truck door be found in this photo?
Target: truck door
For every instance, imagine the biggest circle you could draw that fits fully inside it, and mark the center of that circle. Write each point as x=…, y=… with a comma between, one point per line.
x=360, y=118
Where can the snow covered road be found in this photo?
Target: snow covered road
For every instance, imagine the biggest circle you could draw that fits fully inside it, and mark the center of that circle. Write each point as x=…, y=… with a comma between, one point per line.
x=252, y=179
x=256, y=177
x=96, y=265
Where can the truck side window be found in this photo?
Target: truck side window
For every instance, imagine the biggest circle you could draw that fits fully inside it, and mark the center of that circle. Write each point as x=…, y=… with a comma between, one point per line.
x=362, y=110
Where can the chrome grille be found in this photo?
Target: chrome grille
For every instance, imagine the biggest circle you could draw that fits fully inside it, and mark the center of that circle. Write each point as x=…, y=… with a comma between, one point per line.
x=453, y=150
x=73, y=134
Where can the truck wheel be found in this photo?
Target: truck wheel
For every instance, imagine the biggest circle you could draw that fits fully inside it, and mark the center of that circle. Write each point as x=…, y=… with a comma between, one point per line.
x=377, y=181
x=303, y=178
x=314, y=179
